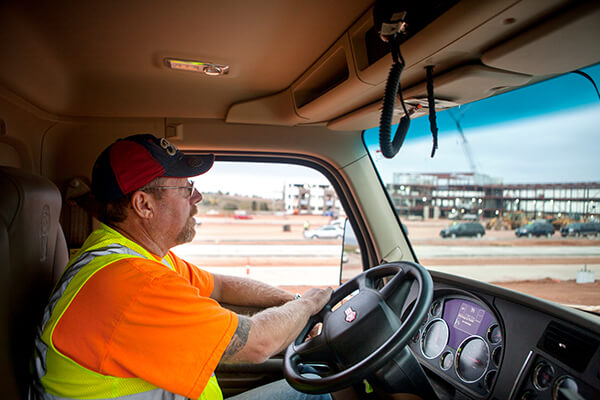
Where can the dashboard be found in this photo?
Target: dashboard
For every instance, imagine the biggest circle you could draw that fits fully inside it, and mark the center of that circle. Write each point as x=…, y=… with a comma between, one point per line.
x=461, y=340
x=483, y=342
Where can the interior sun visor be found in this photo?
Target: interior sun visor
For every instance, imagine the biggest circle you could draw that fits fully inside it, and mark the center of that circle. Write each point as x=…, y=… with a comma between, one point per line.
x=558, y=45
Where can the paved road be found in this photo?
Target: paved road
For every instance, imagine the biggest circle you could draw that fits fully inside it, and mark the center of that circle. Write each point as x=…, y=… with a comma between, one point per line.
x=329, y=275
x=426, y=251
x=324, y=275
x=422, y=251
x=507, y=273
x=231, y=250
x=285, y=275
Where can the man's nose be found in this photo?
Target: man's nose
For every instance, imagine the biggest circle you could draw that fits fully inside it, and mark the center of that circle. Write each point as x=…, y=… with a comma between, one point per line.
x=196, y=197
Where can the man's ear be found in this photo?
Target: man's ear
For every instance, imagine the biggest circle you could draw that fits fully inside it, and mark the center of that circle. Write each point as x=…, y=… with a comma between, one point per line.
x=143, y=204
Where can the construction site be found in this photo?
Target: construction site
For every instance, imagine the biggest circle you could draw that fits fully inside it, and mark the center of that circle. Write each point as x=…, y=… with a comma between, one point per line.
x=472, y=196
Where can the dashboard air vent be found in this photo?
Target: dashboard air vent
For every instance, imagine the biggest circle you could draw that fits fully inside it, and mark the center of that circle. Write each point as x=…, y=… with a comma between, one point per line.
x=568, y=345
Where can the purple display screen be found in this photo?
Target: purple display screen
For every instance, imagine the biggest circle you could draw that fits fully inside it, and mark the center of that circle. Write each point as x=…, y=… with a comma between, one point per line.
x=469, y=318
x=465, y=318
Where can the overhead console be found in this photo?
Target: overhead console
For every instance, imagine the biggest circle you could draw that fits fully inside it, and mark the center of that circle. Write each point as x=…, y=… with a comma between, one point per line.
x=468, y=42
x=554, y=46
x=461, y=85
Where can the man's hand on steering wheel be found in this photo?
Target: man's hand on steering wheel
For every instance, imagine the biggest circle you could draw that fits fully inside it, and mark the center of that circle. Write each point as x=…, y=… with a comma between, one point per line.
x=362, y=335
x=318, y=298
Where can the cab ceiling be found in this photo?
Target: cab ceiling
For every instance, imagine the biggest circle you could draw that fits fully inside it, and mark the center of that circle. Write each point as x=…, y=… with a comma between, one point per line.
x=105, y=58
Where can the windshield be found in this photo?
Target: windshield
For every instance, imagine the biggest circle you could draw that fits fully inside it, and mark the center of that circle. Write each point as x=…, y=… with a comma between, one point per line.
x=504, y=162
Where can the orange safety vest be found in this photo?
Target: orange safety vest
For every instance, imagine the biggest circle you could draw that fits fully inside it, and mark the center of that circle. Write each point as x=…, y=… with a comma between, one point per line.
x=56, y=376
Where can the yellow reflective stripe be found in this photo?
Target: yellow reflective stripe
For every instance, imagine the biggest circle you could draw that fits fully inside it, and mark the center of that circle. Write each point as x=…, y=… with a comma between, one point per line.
x=82, y=383
x=212, y=391
x=169, y=261
x=74, y=287
x=65, y=377
x=106, y=235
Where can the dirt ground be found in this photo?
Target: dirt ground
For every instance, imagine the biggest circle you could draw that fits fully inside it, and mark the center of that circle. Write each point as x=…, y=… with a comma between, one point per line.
x=280, y=229
x=584, y=296
x=565, y=292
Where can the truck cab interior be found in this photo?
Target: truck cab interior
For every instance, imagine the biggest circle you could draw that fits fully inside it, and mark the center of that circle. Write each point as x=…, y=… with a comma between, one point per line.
x=291, y=82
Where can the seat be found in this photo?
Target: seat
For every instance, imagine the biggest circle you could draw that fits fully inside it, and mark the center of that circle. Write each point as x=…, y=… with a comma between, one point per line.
x=33, y=253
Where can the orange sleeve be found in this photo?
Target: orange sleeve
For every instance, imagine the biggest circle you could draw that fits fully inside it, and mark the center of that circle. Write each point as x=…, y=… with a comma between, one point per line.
x=136, y=318
x=197, y=277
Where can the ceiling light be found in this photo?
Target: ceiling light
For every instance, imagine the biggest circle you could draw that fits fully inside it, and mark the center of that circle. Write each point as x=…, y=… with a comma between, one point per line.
x=208, y=68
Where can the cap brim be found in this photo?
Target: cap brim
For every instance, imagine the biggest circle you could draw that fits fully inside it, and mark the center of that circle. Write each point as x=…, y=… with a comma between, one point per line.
x=187, y=166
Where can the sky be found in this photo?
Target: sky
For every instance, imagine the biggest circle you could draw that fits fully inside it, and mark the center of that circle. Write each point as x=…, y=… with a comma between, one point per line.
x=263, y=180
x=545, y=133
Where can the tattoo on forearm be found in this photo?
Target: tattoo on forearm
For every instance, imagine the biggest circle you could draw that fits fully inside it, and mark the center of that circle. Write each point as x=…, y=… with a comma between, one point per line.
x=239, y=338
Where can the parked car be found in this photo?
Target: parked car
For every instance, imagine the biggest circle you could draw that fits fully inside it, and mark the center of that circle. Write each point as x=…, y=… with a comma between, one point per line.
x=536, y=228
x=241, y=214
x=325, y=232
x=469, y=229
x=581, y=229
x=339, y=221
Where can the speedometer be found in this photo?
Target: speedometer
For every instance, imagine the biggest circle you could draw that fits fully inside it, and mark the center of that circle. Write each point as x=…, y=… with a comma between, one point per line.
x=472, y=359
x=435, y=338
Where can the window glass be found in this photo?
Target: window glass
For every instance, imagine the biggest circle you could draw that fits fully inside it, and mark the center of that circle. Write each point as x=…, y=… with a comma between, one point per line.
x=503, y=163
x=277, y=223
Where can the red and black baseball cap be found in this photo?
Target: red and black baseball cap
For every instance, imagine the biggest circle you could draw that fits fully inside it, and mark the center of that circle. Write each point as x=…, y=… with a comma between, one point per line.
x=132, y=162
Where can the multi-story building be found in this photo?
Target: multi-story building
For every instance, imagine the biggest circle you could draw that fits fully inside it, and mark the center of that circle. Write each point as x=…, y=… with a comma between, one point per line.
x=306, y=198
x=442, y=195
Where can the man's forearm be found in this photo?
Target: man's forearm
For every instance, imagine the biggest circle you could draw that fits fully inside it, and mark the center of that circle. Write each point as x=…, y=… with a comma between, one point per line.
x=268, y=332
x=248, y=292
x=281, y=325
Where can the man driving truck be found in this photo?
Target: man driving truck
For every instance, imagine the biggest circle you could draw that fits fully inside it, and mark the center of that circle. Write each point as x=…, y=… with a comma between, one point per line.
x=130, y=319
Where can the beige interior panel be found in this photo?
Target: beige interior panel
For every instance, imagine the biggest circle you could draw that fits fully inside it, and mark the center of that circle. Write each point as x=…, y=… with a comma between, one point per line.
x=367, y=188
x=339, y=148
x=106, y=58
x=30, y=67
x=457, y=37
x=565, y=43
x=364, y=118
x=462, y=19
x=277, y=109
x=9, y=156
x=469, y=39
x=70, y=149
x=471, y=82
x=24, y=132
x=461, y=85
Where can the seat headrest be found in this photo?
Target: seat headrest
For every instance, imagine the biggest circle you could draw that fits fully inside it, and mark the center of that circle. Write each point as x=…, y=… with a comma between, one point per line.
x=14, y=153
x=33, y=253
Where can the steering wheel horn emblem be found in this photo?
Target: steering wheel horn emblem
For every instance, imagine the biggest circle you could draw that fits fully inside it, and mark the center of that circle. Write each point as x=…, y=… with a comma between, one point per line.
x=350, y=314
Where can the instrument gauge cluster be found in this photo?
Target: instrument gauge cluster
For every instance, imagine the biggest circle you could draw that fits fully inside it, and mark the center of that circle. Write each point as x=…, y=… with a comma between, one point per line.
x=547, y=379
x=462, y=341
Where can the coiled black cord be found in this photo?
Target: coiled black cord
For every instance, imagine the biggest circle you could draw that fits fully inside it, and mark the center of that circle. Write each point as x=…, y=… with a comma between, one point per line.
x=389, y=147
x=431, y=104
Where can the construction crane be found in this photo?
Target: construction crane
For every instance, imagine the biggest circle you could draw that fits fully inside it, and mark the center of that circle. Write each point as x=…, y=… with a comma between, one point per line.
x=465, y=143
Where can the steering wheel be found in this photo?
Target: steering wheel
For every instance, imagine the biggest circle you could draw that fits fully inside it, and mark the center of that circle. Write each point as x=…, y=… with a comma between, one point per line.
x=361, y=335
